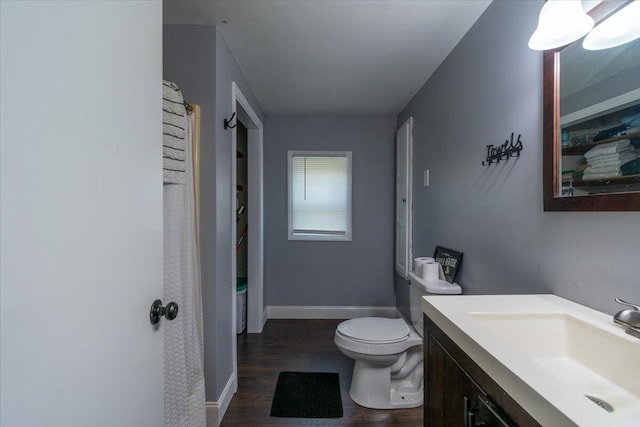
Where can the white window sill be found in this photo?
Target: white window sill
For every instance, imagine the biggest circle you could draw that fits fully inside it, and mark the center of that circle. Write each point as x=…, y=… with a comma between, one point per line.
x=319, y=237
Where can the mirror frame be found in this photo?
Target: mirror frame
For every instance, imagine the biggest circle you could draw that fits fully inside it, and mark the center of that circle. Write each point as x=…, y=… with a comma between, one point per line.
x=553, y=201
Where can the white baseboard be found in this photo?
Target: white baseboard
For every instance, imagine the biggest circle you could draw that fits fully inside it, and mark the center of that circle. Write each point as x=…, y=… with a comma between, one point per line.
x=262, y=322
x=212, y=414
x=216, y=410
x=327, y=312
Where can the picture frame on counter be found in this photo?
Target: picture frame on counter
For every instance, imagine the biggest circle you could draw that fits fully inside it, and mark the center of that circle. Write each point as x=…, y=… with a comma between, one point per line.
x=450, y=261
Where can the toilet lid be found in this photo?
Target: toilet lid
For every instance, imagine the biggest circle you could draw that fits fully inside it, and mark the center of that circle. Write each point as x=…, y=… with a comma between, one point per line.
x=375, y=329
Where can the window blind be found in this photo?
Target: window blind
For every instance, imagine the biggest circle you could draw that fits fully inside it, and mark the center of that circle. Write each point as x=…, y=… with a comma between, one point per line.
x=320, y=194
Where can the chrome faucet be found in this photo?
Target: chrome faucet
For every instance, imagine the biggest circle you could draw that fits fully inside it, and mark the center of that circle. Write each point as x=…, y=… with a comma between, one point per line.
x=628, y=318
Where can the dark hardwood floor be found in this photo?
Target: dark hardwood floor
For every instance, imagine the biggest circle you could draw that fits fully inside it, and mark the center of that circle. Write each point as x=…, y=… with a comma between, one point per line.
x=299, y=345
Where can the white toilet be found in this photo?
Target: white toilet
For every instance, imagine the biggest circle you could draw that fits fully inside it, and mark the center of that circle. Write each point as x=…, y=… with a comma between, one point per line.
x=388, y=372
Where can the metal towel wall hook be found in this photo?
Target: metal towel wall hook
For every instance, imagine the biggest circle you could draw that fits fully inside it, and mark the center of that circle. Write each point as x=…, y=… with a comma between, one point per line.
x=503, y=152
x=227, y=123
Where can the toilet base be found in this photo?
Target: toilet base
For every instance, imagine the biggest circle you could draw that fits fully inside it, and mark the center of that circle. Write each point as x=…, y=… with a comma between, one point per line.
x=391, y=387
x=407, y=400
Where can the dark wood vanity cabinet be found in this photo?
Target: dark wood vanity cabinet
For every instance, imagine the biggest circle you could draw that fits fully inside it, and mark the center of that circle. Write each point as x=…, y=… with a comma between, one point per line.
x=458, y=392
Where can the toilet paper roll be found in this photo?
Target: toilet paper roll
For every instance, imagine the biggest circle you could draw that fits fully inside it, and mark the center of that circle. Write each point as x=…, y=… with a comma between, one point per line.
x=431, y=271
x=418, y=263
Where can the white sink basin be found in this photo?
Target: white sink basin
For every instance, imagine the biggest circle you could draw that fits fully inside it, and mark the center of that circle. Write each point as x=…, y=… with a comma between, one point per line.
x=548, y=353
x=597, y=362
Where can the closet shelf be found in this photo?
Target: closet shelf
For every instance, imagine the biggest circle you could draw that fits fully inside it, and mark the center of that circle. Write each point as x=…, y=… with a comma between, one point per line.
x=579, y=150
x=629, y=180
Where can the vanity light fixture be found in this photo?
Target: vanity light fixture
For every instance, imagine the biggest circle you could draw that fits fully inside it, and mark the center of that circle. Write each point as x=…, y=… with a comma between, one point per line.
x=620, y=28
x=561, y=22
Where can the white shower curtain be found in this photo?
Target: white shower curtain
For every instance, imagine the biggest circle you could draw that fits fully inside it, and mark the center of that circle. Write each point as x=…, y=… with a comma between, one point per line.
x=184, y=395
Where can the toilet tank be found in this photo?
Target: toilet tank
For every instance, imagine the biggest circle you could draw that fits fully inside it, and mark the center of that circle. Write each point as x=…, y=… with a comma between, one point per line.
x=416, y=292
x=419, y=288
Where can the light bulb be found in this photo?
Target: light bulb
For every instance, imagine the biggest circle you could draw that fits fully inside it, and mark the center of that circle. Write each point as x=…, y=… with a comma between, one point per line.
x=620, y=28
x=561, y=22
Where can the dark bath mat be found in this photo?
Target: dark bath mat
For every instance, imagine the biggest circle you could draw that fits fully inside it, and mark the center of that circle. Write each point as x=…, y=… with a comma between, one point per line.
x=307, y=395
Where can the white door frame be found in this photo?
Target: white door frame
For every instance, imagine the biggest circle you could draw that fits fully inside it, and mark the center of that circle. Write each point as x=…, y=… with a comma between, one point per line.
x=255, y=249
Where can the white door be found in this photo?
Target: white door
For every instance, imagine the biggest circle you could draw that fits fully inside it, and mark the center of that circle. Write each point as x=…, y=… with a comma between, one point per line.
x=81, y=213
x=404, y=155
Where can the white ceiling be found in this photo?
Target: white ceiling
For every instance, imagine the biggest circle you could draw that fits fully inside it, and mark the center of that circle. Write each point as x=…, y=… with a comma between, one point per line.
x=324, y=57
x=581, y=68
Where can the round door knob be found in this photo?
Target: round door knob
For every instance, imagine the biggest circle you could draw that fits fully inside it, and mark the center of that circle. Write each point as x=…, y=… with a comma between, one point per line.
x=157, y=311
x=171, y=311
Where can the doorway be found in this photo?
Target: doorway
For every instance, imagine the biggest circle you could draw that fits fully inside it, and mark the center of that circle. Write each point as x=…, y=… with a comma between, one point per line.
x=404, y=197
x=254, y=208
x=242, y=226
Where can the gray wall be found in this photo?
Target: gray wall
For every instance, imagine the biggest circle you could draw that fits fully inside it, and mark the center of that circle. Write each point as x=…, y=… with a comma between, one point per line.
x=199, y=61
x=488, y=87
x=227, y=71
x=356, y=273
x=189, y=57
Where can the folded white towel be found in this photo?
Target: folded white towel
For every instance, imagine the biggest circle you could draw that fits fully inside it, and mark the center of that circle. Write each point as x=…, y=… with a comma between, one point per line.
x=173, y=134
x=608, y=148
x=600, y=170
x=168, y=129
x=173, y=119
x=615, y=160
x=173, y=142
x=172, y=100
x=591, y=176
x=173, y=177
x=174, y=165
x=173, y=107
x=612, y=156
x=172, y=153
x=171, y=92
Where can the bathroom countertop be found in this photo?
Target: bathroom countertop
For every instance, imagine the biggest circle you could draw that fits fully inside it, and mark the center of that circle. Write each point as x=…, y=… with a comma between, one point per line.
x=544, y=392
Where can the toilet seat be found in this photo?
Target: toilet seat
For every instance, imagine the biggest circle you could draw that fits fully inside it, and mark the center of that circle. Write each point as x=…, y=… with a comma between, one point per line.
x=391, y=338
x=375, y=330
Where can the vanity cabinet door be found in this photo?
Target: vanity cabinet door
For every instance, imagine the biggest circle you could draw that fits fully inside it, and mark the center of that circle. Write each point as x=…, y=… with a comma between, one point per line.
x=453, y=398
x=451, y=394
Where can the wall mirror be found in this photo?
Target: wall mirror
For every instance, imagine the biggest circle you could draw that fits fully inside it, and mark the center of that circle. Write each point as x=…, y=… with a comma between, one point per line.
x=591, y=127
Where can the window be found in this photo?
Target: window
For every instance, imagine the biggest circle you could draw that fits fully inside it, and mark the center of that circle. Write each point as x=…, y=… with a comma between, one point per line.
x=319, y=195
